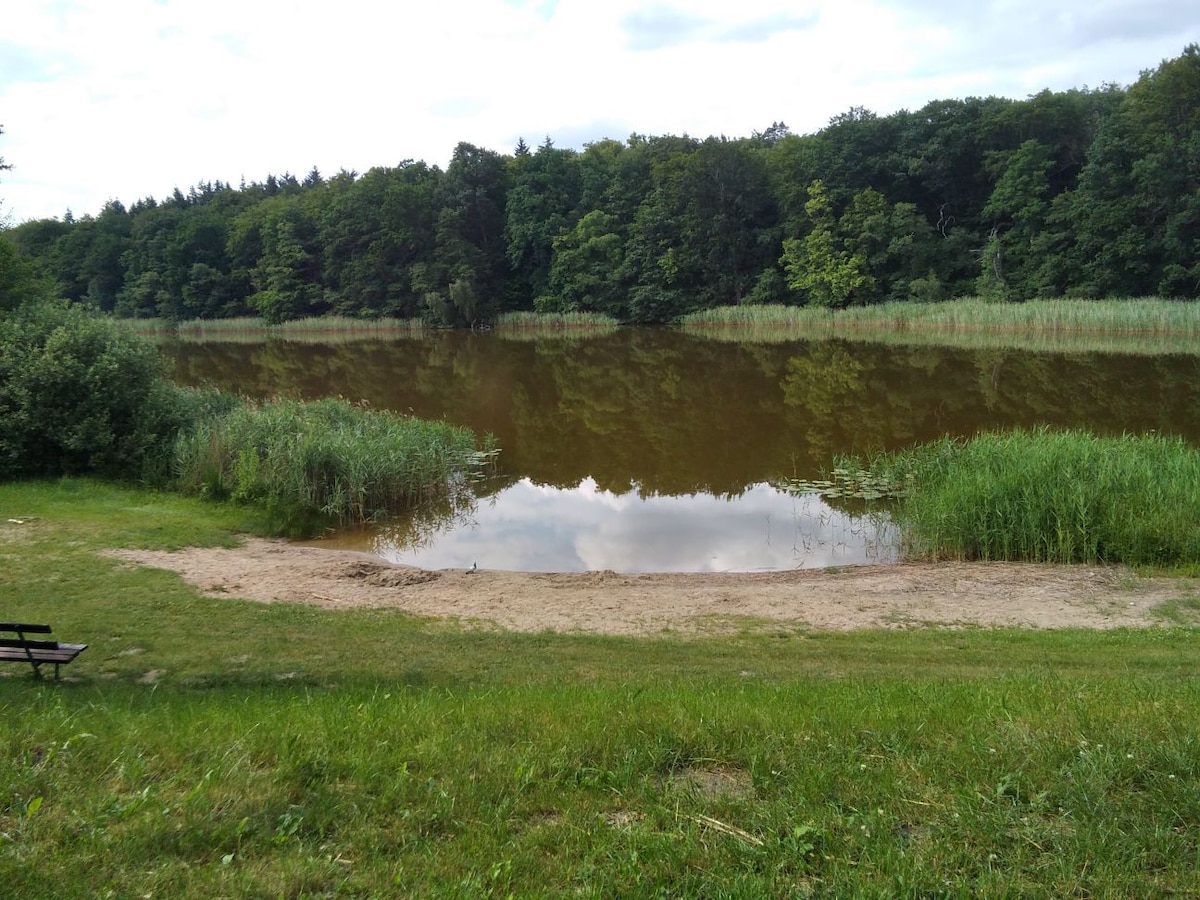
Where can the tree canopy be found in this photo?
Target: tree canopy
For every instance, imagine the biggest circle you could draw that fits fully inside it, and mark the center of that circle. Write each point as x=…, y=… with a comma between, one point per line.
x=1085, y=192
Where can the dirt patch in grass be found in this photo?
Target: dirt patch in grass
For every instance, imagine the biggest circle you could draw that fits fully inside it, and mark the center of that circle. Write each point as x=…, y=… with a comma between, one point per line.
x=952, y=595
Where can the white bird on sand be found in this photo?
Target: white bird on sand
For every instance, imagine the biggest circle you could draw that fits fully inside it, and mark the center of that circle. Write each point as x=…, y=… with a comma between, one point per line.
x=473, y=569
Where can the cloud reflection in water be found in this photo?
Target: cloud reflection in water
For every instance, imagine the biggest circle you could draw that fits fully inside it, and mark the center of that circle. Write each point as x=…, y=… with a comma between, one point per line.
x=535, y=528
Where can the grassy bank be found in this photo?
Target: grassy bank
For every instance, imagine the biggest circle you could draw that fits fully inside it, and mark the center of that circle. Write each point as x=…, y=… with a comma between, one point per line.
x=213, y=747
x=1146, y=325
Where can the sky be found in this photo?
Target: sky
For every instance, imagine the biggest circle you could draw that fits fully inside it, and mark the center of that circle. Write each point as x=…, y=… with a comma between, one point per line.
x=126, y=99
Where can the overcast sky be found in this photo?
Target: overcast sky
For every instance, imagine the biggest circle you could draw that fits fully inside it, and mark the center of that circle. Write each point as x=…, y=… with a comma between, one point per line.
x=124, y=99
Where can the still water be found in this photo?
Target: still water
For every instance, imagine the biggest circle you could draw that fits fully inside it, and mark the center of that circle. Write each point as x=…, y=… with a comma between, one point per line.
x=651, y=450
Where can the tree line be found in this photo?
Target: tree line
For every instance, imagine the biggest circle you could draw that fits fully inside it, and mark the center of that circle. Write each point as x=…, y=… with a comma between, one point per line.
x=1085, y=192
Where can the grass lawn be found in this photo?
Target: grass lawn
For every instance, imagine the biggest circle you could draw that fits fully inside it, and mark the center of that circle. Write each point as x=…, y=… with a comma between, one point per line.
x=218, y=748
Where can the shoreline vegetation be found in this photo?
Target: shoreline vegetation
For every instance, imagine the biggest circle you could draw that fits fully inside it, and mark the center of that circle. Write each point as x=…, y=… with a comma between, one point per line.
x=1141, y=326
x=537, y=326
x=1039, y=496
x=253, y=330
x=312, y=464
x=82, y=396
x=338, y=329
x=1137, y=326
x=214, y=746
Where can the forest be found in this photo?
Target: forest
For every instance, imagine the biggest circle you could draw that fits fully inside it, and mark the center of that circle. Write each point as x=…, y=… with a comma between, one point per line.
x=1089, y=192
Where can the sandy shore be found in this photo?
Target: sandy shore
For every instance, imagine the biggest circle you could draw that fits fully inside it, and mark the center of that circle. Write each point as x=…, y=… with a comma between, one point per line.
x=896, y=596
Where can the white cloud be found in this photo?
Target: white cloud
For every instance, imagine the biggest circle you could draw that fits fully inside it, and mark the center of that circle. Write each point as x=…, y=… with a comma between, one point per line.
x=127, y=98
x=529, y=527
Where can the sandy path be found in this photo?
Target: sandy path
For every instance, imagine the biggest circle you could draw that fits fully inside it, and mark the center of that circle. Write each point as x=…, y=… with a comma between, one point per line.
x=908, y=595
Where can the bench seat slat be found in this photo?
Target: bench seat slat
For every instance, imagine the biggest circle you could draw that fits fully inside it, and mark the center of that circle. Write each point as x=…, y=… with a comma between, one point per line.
x=63, y=653
x=34, y=651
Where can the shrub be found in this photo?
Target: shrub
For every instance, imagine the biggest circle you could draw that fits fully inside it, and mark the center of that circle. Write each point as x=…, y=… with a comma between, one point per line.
x=79, y=395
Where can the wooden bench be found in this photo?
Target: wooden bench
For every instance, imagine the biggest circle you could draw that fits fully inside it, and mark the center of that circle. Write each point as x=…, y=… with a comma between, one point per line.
x=35, y=651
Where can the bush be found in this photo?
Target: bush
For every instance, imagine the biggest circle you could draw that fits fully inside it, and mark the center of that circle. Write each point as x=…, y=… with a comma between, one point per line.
x=79, y=395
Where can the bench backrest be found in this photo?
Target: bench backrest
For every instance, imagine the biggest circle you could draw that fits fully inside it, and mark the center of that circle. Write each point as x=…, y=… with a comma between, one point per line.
x=24, y=643
x=29, y=644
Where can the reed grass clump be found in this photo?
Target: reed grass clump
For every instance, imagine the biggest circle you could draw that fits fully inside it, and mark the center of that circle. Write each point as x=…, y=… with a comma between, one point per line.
x=523, y=325
x=311, y=464
x=1044, y=496
x=253, y=330
x=324, y=328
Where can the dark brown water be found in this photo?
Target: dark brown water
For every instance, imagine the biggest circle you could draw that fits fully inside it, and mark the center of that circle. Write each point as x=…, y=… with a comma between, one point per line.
x=653, y=450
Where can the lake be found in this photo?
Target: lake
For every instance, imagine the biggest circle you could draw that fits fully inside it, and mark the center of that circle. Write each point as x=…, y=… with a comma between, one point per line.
x=653, y=450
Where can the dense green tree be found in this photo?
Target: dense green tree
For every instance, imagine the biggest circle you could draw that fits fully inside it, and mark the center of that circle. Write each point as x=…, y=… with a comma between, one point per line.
x=374, y=231
x=822, y=265
x=1018, y=209
x=465, y=281
x=86, y=261
x=541, y=202
x=585, y=275
x=1135, y=211
x=20, y=281
x=287, y=276
x=730, y=217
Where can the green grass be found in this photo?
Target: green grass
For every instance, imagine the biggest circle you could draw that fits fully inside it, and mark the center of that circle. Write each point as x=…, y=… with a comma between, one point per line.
x=1144, y=326
x=1045, y=496
x=215, y=747
x=323, y=462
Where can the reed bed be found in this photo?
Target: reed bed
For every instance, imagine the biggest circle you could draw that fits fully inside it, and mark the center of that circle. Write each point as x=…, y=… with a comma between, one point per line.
x=533, y=325
x=311, y=464
x=1055, y=497
x=1146, y=325
x=251, y=330
x=323, y=327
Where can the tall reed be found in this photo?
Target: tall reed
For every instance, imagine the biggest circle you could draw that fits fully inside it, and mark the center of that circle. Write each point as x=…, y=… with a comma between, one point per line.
x=1146, y=325
x=248, y=329
x=1044, y=496
x=520, y=325
x=326, y=461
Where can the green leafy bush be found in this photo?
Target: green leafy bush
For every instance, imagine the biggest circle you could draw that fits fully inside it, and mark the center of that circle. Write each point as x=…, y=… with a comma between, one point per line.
x=80, y=395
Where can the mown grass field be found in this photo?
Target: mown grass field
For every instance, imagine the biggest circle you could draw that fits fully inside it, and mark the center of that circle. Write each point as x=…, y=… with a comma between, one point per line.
x=220, y=748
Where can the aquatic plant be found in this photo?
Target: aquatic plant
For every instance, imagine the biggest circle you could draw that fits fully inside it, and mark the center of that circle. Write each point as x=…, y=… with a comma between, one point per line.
x=1147, y=325
x=249, y=329
x=325, y=462
x=1047, y=496
x=533, y=325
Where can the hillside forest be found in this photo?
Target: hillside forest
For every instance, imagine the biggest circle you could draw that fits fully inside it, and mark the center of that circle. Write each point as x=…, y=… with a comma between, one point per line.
x=1088, y=192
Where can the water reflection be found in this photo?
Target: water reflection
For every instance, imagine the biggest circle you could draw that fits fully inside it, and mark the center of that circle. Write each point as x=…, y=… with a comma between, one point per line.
x=539, y=528
x=649, y=449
